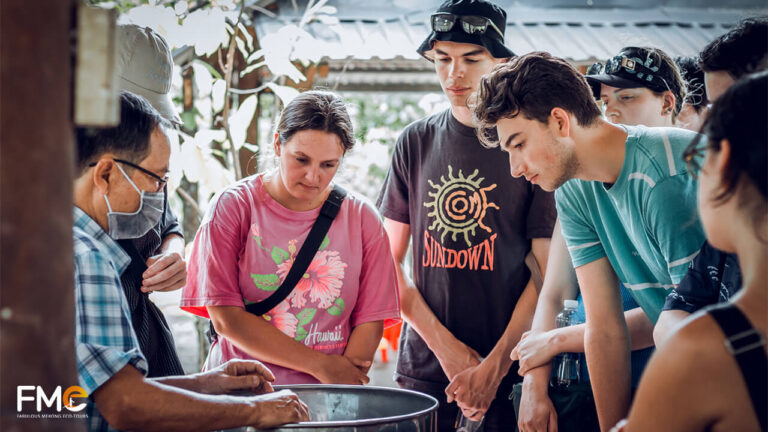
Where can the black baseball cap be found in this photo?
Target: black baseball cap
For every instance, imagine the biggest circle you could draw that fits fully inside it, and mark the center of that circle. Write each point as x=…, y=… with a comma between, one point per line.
x=633, y=67
x=490, y=40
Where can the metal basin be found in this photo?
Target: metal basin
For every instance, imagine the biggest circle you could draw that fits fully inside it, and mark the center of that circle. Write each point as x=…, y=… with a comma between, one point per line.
x=362, y=409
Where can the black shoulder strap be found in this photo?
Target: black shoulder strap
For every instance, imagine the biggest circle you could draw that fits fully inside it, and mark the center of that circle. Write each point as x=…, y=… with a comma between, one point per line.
x=747, y=345
x=316, y=235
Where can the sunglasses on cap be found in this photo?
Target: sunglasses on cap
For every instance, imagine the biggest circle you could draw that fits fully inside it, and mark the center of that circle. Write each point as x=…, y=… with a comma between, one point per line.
x=471, y=24
x=632, y=69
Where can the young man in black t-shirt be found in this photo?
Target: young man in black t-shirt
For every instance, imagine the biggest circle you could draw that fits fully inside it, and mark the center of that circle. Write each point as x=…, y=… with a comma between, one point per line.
x=472, y=225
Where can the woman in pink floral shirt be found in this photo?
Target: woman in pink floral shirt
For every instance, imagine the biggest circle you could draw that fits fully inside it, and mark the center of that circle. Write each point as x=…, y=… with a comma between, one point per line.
x=329, y=327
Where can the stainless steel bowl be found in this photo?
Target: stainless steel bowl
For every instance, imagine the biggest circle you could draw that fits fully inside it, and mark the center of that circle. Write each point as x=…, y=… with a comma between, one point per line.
x=362, y=409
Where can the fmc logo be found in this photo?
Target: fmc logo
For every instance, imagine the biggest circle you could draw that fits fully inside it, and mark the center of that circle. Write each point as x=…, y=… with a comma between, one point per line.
x=41, y=398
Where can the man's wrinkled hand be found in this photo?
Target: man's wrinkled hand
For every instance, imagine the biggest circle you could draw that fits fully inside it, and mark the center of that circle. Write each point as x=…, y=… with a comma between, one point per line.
x=165, y=272
x=249, y=375
x=278, y=408
x=473, y=390
x=534, y=349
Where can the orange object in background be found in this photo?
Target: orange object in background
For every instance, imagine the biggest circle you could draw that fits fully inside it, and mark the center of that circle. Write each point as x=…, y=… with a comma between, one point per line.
x=390, y=338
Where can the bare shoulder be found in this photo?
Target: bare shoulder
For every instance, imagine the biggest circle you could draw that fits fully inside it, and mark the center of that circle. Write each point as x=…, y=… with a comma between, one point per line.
x=693, y=351
x=693, y=383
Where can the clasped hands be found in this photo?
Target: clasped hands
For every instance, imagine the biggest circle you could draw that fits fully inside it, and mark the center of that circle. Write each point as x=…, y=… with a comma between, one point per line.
x=472, y=385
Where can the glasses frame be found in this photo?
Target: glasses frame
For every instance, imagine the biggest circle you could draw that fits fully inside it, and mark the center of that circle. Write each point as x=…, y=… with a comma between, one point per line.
x=467, y=27
x=161, y=181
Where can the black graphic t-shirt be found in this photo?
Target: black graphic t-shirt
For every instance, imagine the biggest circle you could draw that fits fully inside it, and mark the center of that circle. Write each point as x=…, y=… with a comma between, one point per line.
x=471, y=223
x=713, y=277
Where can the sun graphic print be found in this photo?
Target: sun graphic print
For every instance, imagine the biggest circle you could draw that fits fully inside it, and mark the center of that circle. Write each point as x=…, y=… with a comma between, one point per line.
x=459, y=205
x=318, y=289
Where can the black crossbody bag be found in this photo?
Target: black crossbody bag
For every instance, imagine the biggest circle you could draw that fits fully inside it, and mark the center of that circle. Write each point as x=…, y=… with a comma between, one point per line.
x=314, y=239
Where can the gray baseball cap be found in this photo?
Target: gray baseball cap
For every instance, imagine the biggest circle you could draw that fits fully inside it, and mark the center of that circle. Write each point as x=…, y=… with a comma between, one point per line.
x=144, y=67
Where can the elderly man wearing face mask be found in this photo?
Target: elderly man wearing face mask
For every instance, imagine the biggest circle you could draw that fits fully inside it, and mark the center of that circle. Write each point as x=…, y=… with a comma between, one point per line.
x=118, y=194
x=157, y=256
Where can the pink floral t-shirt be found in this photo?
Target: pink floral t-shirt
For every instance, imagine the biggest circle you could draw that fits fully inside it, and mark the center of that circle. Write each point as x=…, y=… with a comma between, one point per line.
x=245, y=247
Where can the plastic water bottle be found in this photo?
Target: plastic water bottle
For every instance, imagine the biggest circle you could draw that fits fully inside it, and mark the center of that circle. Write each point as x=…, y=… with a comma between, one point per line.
x=464, y=424
x=566, y=366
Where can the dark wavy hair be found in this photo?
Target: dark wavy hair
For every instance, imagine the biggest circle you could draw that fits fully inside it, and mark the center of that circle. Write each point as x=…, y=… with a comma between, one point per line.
x=531, y=85
x=694, y=79
x=316, y=110
x=741, y=51
x=739, y=116
x=128, y=140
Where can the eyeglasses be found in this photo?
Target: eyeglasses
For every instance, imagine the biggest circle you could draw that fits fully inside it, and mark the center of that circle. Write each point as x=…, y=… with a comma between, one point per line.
x=632, y=69
x=471, y=24
x=160, y=182
x=694, y=156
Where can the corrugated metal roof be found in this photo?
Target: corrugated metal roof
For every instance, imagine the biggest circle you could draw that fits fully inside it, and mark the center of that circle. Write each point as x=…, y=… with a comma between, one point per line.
x=580, y=35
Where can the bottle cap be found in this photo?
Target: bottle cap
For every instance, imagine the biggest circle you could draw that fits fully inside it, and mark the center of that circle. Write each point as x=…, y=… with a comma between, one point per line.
x=571, y=304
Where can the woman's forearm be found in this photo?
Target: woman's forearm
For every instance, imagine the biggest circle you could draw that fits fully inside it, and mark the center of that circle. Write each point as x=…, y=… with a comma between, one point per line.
x=261, y=340
x=364, y=340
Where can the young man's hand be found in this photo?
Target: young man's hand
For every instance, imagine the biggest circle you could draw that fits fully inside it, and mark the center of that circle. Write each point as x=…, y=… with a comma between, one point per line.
x=473, y=390
x=536, y=413
x=536, y=348
x=456, y=357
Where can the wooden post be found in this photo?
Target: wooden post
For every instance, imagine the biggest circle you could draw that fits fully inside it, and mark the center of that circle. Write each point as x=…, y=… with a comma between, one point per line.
x=36, y=173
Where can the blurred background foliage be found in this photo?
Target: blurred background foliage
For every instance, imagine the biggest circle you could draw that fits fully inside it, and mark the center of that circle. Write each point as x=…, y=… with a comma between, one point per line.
x=228, y=127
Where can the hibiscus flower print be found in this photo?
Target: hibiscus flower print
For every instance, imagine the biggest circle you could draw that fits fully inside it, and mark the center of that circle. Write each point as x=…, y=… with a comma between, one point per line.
x=322, y=281
x=281, y=318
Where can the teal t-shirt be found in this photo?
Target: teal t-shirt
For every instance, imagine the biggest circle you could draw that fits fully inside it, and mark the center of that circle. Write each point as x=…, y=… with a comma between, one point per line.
x=646, y=223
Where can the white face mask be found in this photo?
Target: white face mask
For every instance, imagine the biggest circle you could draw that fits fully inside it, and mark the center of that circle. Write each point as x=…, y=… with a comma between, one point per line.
x=134, y=225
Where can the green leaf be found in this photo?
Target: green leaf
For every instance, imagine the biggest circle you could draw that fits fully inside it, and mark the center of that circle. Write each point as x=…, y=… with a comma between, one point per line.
x=188, y=117
x=251, y=68
x=241, y=119
x=252, y=147
x=325, y=242
x=305, y=316
x=212, y=70
x=301, y=334
x=244, y=33
x=337, y=308
x=241, y=47
x=269, y=282
x=285, y=93
x=279, y=255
